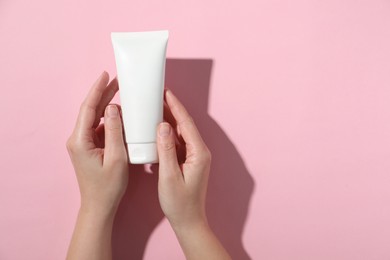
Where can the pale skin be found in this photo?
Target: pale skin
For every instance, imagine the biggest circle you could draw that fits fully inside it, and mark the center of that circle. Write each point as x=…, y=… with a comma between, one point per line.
x=100, y=161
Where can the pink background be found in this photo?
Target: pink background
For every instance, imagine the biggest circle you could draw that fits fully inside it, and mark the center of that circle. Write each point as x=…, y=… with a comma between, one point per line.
x=291, y=96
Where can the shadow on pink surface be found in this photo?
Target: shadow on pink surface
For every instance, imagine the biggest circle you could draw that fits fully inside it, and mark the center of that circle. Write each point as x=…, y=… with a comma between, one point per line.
x=230, y=185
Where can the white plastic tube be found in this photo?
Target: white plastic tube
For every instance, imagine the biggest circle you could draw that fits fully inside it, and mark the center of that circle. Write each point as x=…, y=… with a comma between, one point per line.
x=140, y=63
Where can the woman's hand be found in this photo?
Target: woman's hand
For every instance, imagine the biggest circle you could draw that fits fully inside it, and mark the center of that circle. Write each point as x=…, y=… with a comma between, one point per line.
x=97, y=151
x=182, y=186
x=100, y=161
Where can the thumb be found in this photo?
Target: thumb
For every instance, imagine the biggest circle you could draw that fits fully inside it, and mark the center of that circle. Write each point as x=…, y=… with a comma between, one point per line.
x=113, y=136
x=168, y=164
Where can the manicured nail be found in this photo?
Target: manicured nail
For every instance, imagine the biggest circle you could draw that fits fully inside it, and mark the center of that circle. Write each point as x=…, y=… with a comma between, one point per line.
x=112, y=111
x=164, y=130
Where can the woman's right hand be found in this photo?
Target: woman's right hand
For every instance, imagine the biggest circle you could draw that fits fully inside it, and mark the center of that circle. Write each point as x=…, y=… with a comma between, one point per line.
x=182, y=187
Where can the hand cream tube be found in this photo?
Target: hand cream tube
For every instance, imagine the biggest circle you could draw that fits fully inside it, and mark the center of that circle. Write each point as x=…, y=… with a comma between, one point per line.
x=140, y=63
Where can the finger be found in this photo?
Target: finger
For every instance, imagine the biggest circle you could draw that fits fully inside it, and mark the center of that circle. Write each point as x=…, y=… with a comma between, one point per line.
x=166, y=148
x=185, y=123
x=168, y=115
x=87, y=114
x=114, y=149
x=108, y=94
x=167, y=112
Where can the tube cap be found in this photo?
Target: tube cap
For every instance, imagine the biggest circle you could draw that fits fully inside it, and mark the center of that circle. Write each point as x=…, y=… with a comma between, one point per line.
x=142, y=153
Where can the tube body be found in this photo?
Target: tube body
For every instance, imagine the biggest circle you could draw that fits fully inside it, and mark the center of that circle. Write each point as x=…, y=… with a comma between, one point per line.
x=140, y=63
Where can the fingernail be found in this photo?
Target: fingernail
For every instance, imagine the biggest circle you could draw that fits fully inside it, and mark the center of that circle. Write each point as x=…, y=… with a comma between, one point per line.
x=164, y=130
x=102, y=74
x=112, y=111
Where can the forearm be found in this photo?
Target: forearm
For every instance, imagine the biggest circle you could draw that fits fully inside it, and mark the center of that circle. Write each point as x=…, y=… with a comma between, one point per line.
x=92, y=236
x=199, y=242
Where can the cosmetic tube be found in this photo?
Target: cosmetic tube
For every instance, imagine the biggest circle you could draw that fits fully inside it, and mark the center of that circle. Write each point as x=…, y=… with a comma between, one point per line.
x=140, y=63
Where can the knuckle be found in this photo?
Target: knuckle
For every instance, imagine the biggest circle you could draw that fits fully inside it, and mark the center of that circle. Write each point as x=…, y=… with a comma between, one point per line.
x=86, y=106
x=72, y=145
x=168, y=145
x=187, y=121
x=114, y=125
x=83, y=106
x=205, y=156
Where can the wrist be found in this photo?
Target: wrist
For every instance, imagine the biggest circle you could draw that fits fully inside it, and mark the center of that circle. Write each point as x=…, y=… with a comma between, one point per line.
x=198, y=241
x=193, y=227
x=97, y=212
